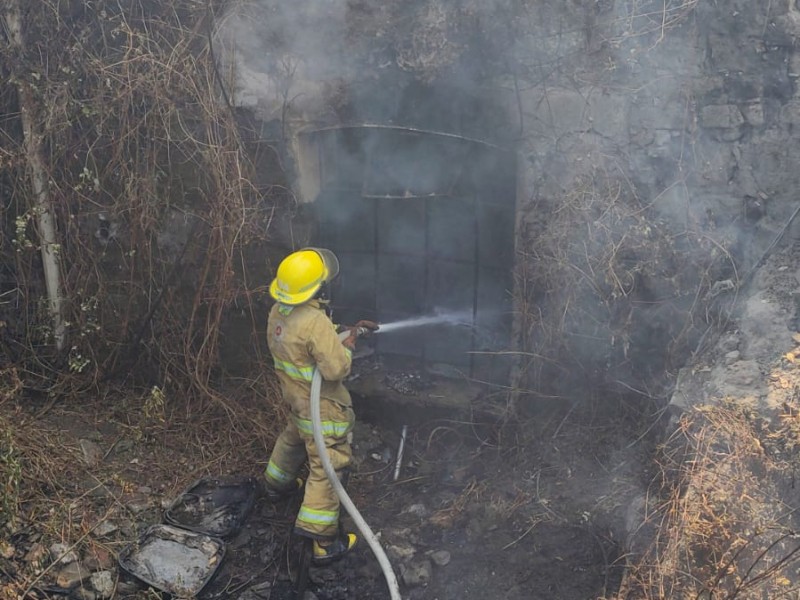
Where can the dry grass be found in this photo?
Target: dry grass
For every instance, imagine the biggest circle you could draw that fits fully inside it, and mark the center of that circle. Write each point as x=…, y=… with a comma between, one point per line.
x=162, y=207
x=650, y=19
x=606, y=290
x=454, y=510
x=49, y=490
x=152, y=181
x=723, y=527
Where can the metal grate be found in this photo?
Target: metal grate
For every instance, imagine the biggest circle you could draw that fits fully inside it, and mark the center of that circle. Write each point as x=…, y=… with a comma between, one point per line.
x=422, y=222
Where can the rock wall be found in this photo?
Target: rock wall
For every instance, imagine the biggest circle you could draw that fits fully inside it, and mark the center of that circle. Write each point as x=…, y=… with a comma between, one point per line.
x=656, y=142
x=701, y=113
x=694, y=116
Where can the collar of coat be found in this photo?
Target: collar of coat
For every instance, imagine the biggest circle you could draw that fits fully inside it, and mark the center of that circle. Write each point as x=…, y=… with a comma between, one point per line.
x=286, y=309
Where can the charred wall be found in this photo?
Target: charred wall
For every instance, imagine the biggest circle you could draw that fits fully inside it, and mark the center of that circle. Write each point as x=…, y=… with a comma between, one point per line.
x=656, y=145
x=423, y=224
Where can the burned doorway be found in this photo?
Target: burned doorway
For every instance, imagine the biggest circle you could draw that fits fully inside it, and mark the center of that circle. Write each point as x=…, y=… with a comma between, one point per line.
x=423, y=224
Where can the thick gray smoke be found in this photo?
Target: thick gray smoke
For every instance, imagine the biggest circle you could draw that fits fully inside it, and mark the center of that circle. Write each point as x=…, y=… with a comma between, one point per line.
x=278, y=52
x=634, y=95
x=417, y=205
x=410, y=63
x=266, y=37
x=657, y=144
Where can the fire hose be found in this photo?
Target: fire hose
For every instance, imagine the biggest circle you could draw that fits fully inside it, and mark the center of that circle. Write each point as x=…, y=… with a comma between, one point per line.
x=338, y=488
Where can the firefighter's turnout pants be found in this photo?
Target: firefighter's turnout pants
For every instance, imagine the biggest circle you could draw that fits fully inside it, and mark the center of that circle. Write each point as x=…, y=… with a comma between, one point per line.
x=319, y=515
x=300, y=339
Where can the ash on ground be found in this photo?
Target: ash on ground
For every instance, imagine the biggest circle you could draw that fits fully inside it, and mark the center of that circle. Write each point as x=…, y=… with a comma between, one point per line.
x=405, y=381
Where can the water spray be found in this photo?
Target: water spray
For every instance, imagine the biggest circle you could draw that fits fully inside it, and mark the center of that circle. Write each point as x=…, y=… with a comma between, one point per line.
x=449, y=318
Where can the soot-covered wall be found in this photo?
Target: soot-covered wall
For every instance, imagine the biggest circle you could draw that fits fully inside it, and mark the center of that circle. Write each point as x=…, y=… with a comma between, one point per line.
x=657, y=142
x=423, y=224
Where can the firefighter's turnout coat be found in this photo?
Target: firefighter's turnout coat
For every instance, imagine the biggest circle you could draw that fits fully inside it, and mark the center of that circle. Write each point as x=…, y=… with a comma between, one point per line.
x=300, y=338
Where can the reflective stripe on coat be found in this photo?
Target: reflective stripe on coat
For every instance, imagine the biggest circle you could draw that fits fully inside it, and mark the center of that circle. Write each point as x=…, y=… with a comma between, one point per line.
x=300, y=338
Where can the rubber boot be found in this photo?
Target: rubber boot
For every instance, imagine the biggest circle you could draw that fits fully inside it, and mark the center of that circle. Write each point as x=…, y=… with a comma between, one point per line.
x=328, y=552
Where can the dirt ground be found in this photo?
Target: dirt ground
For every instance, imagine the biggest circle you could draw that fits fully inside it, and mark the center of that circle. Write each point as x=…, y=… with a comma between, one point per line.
x=484, y=506
x=481, y=509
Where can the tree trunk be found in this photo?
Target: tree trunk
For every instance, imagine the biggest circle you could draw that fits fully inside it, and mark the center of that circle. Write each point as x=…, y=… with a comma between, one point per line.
x=42, y=204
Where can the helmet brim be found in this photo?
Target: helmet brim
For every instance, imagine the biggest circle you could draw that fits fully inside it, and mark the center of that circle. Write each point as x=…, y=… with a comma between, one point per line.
x=330, y=261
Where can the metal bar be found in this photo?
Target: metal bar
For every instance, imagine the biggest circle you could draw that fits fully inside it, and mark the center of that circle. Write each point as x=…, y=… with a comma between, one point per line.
x=402, y=129
x=426, y=222
x=476, y=279
x=405, y=196
x=400, y=453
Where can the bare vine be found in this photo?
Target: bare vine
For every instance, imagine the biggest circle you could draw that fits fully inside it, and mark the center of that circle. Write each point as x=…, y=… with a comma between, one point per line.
x=154, y=193
x=609, y=283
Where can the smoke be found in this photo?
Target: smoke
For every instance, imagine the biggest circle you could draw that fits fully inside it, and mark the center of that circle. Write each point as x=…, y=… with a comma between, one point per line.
x=641, y=127
x=263, y=33
x=333, y=61
x=596, y=97
x=278, y=52
x=418, y=207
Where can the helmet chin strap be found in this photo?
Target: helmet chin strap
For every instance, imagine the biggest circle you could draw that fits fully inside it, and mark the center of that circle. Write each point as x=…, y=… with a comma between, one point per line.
x=323, y=297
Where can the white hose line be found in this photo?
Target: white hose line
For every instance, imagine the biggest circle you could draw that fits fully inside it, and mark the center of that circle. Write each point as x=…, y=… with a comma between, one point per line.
x=322, y=450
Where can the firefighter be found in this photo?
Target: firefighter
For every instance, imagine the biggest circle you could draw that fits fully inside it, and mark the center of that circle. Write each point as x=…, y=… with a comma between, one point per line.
x=301, y=336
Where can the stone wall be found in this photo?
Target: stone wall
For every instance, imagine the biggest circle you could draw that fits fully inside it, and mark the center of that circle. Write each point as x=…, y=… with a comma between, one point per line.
x=685, y=108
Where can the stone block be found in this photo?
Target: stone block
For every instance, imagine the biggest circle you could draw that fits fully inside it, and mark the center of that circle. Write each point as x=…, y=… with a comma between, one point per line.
x=560, y=111
x=555, y=112
x=103, y=583
x=608, y=114
x=71, y=575
x=754, y=113
x=790, y=112
x=794, y=66
x=721, y=116
x=663, y=144
x=716, y=162
x=651, y=112
x=774, y=155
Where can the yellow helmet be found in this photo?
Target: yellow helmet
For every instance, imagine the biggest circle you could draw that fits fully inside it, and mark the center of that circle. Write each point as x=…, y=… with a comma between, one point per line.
x=302, y=273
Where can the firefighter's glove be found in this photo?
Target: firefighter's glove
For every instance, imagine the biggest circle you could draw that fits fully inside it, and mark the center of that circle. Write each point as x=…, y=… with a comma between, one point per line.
x=350, y=341
x=370, y=326
x=363, y=327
